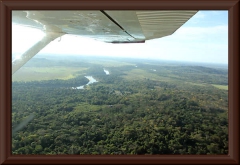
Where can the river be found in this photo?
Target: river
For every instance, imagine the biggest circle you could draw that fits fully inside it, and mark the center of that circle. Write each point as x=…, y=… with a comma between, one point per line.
x=106, y=71
x=91, y=80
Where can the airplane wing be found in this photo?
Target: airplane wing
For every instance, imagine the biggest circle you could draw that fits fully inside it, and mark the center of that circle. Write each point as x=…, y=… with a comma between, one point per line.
x=103, y=25
x=108, y=26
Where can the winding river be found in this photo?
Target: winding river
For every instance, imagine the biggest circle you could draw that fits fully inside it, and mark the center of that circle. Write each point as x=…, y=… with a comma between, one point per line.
x=91, y=80
x=106, y=71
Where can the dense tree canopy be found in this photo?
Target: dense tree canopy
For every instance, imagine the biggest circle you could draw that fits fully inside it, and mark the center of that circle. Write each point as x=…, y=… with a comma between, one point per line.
x=123, y=116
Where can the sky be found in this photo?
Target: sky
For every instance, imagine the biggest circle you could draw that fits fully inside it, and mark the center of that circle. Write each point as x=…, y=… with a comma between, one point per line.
x=203, y=38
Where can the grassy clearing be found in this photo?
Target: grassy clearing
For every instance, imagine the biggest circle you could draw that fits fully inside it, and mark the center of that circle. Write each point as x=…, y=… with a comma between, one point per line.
x=198, y=84
x=225, y=87
x=46, y=73
x=87, y=107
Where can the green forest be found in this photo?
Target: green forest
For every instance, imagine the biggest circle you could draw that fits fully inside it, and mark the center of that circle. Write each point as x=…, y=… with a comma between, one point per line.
x=138, y=107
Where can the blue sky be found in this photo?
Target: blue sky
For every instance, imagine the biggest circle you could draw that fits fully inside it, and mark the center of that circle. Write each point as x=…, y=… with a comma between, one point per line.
x=204, y=38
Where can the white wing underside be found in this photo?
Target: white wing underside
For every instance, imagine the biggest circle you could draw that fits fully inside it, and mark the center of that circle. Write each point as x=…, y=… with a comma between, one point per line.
x=102, y=25
x=107, y=26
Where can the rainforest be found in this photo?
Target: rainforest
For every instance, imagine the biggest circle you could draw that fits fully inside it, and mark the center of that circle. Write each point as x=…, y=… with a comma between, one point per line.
x=103, y=105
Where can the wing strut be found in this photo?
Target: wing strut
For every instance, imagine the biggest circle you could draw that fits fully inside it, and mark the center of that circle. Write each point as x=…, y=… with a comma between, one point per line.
x=50, y=36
